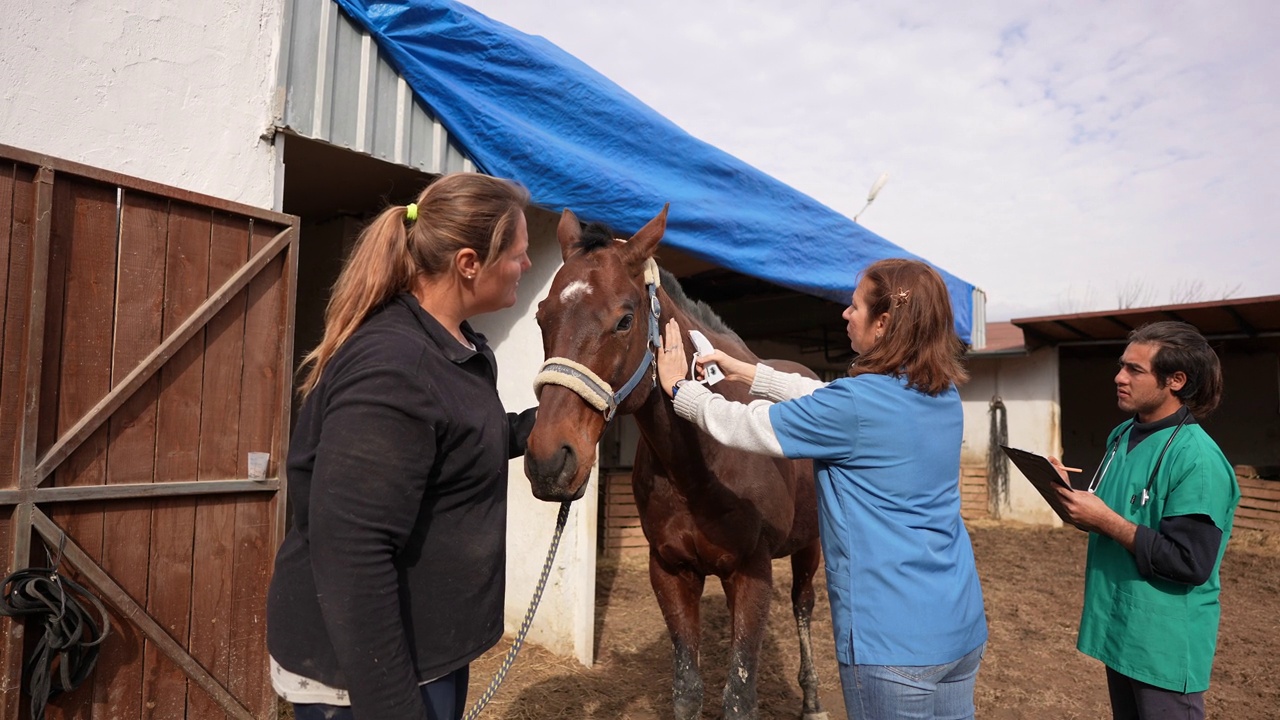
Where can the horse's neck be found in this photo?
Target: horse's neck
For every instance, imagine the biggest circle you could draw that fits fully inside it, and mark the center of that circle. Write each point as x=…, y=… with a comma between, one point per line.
x=660, y=427
x=670, y=440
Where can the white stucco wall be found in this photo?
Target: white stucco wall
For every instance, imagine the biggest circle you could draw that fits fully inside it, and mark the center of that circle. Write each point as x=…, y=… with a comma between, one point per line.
x=565, y=622
x=1028, y=386
x=175, y=92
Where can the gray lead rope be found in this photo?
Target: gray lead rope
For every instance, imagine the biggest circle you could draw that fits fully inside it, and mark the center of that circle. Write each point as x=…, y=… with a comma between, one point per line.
x=501, y=674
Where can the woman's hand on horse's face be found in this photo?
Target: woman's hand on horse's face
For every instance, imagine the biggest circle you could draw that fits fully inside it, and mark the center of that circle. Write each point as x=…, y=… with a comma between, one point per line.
x=673, y=365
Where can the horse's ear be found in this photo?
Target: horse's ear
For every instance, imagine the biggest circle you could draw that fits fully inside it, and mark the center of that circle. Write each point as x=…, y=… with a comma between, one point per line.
x=642, y=245
x=569, y=232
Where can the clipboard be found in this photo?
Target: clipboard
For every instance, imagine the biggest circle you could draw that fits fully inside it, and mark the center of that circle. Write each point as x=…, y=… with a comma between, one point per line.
x=1042, y=474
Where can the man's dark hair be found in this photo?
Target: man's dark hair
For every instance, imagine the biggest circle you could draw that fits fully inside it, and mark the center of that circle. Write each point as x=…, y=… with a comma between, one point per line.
x=1179, y=346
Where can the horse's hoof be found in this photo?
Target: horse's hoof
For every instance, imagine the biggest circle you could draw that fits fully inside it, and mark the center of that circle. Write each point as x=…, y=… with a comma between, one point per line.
x=815, y=716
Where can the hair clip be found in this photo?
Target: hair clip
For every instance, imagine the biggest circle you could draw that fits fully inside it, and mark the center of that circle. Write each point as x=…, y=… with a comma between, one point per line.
x=901, y=297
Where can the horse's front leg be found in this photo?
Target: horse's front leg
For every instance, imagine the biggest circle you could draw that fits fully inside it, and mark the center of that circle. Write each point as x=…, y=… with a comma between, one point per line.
x=804, y=565
x=679, y=593
x=748, y=590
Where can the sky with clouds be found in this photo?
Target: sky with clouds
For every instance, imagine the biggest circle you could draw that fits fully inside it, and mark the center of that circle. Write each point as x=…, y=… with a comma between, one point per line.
x=1063, y=157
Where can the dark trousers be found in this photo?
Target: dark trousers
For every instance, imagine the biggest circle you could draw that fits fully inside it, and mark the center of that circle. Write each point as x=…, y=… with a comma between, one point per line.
x=445, y=698
x=1135, y=700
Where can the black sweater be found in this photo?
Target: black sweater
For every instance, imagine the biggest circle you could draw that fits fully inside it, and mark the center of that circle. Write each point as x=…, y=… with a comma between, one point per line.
x=393, y=570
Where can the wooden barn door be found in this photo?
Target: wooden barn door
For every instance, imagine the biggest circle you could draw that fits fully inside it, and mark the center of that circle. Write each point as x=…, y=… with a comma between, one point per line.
x=146, y=339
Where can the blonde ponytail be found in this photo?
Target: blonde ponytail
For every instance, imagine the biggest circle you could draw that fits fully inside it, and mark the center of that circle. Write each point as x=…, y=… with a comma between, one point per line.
x=379, y=267
x=461, y=210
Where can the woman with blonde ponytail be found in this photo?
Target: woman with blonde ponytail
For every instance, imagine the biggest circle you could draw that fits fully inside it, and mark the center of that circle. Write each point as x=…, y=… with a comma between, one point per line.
x=391, y=578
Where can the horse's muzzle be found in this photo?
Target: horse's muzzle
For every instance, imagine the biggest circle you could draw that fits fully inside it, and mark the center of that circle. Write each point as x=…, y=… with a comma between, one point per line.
x=555, y=478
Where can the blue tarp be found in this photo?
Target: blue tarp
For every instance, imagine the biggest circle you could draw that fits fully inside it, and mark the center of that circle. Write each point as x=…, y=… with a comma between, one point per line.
x=524, y=109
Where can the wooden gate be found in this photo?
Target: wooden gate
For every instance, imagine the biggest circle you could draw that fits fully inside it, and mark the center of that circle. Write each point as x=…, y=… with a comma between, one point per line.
x=146, y=337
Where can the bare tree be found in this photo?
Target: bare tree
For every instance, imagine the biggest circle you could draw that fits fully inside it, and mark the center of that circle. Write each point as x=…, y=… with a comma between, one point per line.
x=1190, y=291
x=1186, y=291
x=1230, y=291
x=1134, y=293
x=1075, y=300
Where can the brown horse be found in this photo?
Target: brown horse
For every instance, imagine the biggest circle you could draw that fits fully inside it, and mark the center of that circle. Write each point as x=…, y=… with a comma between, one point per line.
x=705, y=509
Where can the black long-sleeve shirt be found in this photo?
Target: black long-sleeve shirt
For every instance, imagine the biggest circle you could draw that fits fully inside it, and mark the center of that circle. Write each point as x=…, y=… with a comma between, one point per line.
x=393, y=571
x=1184, y=548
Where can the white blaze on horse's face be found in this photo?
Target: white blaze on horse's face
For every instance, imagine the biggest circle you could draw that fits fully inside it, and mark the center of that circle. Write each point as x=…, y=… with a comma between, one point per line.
x=575, y=290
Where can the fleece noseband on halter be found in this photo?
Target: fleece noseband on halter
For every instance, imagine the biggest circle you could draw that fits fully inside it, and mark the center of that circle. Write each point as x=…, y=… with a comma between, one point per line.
x=580, y=379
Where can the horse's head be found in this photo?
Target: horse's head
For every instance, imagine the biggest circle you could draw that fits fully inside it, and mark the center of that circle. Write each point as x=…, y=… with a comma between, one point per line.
x=598, y=333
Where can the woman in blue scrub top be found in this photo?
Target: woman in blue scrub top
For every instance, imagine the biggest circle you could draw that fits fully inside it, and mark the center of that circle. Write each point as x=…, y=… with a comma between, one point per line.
x=906, y=604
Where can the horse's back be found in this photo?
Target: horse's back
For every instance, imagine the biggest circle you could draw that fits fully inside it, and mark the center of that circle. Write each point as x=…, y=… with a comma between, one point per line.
x=791, y=367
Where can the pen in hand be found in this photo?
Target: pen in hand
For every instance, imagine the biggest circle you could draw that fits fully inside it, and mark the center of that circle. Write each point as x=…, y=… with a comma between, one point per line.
x=1057, y=464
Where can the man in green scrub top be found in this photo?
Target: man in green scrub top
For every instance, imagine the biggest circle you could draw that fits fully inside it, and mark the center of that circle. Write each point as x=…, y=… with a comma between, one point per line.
x=1158, y=523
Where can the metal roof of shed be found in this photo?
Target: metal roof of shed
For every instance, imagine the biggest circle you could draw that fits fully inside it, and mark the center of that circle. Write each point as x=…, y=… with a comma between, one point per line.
x=336, y=86
x=1240, y=318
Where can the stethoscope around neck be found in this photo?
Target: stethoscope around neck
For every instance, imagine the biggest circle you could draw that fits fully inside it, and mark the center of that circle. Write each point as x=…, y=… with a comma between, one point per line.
x=1110, y=455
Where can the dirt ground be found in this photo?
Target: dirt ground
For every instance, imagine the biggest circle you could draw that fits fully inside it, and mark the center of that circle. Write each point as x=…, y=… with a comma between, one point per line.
x=1032, y=581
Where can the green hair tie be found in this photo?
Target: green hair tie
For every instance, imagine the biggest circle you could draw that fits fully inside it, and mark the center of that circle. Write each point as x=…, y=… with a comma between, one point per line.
x=411, y=212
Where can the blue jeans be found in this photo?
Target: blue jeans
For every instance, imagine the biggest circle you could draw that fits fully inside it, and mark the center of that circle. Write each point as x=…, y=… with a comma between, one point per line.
x=445, y=698
x=914, y=692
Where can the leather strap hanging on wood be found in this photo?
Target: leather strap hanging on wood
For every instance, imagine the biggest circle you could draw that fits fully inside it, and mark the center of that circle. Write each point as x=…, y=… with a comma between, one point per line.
x=71, y=636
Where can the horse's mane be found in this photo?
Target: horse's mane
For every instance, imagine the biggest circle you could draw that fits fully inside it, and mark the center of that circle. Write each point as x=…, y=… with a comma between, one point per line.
x=698, y=309
x=597, y=235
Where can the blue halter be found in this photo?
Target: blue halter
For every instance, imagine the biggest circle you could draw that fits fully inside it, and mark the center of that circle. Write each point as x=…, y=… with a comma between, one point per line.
x=598, y=393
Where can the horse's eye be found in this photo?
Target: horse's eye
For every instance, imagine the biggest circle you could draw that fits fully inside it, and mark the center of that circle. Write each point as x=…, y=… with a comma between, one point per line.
x=625, y=323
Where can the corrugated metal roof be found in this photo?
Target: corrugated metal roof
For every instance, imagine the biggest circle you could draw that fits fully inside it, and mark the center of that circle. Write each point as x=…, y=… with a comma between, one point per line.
x=1257, y=317
x=338, y=88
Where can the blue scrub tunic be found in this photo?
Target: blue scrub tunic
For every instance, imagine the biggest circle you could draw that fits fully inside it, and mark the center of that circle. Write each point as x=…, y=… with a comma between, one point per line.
x=900, y=571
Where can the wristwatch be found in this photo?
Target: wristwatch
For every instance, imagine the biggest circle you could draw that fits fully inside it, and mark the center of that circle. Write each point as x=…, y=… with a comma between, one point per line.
x=676, y=388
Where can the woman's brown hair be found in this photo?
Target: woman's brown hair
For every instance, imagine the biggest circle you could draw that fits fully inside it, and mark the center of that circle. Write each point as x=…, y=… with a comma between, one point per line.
x=457, y=211
x=919, y=340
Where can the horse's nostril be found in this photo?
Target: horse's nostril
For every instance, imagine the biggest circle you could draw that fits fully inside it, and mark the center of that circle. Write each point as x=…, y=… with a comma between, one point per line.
x=555, y=470
x=568, y=465
x=554, y=466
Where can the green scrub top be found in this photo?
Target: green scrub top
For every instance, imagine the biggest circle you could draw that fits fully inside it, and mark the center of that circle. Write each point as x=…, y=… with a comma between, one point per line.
x=1157, y=631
